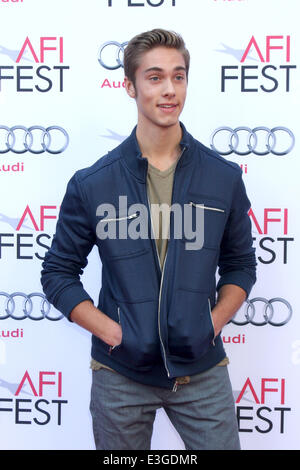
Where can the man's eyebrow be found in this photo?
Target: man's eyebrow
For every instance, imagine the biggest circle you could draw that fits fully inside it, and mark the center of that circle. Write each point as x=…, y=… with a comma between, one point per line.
x=159, y=69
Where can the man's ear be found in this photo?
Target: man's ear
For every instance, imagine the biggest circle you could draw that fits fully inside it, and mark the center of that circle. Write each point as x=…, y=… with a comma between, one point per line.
x=129, y=86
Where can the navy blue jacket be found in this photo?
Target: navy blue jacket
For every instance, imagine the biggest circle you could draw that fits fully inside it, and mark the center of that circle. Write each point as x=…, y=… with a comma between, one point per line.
x=165, y=314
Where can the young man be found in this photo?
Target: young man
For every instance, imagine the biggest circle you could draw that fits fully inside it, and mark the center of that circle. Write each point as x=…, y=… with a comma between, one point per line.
x=156, y=330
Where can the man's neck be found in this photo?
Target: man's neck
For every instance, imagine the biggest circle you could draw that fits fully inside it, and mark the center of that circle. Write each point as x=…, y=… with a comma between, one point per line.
x=160, y=145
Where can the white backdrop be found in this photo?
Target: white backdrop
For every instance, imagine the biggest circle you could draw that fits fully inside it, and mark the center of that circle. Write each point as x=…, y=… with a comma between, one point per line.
x=44, y=365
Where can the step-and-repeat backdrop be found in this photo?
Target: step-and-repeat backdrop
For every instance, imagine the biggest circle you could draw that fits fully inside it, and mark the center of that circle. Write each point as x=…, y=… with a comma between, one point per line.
x=63, y=106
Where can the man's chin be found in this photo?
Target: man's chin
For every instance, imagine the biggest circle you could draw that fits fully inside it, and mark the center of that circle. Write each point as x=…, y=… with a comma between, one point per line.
x=168, y=123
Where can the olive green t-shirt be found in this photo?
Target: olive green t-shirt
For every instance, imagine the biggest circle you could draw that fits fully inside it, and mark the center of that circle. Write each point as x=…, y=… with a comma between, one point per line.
x=159, y=188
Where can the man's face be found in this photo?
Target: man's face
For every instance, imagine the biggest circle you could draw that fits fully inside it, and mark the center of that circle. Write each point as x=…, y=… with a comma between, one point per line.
x=160, y=87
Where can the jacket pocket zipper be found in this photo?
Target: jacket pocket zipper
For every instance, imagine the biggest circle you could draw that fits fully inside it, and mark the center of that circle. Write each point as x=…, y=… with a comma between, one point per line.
x=132, y=216
x=211, y=319
x=117, y=345
x=202, y=206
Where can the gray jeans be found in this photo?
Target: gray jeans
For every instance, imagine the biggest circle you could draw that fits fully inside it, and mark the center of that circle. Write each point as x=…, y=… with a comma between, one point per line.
x=202, y=411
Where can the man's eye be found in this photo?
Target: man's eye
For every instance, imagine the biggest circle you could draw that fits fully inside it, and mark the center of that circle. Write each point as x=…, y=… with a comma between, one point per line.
x=179, y=77
x=154, y=79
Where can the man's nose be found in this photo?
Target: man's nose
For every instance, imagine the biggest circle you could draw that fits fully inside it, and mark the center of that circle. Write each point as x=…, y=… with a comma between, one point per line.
x=169, y=89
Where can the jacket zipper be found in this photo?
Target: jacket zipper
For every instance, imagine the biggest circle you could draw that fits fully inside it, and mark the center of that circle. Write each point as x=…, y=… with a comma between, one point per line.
x=175, y=386
x=201, y=206
x=161, y=283
x=160, y=289
x=159, y=299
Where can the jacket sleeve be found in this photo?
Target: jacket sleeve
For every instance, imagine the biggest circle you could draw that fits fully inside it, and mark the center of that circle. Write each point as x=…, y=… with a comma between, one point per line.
x=237, y=261
x=67, y=256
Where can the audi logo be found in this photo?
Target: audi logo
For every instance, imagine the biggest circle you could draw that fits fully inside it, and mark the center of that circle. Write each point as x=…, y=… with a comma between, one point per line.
x=28, y=309
x=268, y=144
x=270, y=309
x=11, y=138
x=111, y=54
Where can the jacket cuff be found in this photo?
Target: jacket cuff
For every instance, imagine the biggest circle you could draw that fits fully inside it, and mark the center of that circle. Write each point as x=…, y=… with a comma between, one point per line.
x=239, y=278
x=69, y=298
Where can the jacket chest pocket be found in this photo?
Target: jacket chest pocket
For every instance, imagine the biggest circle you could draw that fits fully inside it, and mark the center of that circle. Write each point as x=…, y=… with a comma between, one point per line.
x=122, y=235
x=199, y=246
x=204, y=224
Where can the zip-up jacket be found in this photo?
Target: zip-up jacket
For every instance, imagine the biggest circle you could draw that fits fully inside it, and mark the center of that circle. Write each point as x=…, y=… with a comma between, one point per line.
x=165, y=313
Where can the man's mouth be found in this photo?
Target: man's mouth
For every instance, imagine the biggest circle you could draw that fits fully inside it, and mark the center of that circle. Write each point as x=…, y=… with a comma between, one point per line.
x=167, y=107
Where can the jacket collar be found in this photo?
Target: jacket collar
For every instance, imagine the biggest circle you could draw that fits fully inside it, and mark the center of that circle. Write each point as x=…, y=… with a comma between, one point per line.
x=138, y=165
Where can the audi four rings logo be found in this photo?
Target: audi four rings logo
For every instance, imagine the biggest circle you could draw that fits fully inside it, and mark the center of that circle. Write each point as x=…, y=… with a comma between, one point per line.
x=111, y=54
x=27, y=311
x=8, y=142
x=268, y=312
x=268, y=144
x=250, y=311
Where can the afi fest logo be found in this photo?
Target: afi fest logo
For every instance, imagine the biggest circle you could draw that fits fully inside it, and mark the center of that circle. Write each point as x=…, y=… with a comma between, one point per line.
x=42, y=76
x=27, y=236
x=261, y=406
x=270, y=229
x=273, y=72
x=37, y=398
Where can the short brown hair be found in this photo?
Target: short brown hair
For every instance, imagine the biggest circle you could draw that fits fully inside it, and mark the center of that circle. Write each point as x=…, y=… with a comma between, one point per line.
x=144, y=42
